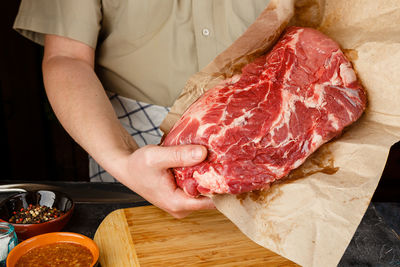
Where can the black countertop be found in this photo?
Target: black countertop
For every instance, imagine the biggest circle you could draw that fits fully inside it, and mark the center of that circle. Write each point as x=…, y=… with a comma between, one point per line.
x=375, y=243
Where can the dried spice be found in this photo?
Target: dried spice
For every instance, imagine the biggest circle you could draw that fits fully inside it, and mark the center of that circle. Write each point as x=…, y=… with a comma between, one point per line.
x=61, y=254
x=35, y=214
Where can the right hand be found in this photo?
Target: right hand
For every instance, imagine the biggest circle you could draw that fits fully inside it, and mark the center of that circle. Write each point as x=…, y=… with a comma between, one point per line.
x=82, y=106
x=148, y=173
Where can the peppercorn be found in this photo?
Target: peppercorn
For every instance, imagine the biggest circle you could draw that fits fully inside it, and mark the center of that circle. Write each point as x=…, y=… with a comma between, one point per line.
x=35, y=214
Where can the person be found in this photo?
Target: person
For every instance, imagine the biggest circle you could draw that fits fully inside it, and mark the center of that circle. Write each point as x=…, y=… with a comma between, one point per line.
x=138, y=56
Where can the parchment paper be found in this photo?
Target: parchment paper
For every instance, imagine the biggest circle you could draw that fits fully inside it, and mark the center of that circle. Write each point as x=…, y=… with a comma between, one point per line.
x=311, y=220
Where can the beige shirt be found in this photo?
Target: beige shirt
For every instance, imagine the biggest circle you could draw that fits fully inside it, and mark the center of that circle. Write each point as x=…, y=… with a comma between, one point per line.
x=145, y=49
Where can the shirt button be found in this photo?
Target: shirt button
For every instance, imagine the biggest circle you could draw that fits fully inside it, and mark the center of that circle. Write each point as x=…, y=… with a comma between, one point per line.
x=205, y=32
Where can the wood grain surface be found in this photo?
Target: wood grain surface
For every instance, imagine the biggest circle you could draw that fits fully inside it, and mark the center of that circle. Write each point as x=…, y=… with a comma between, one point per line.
x=147, y=236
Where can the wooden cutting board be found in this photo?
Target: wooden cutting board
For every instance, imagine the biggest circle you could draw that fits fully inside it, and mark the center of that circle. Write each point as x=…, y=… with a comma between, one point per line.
x=148, y=236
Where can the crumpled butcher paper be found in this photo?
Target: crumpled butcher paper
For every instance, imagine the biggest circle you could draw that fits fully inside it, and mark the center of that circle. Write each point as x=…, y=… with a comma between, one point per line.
x=311, y=220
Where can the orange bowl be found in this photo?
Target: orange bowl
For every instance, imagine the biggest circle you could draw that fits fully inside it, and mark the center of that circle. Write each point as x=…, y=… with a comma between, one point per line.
x=50, y=238
x=47, y=198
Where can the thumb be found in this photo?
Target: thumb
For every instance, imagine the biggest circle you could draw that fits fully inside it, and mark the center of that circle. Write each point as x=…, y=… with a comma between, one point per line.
x=177, y=156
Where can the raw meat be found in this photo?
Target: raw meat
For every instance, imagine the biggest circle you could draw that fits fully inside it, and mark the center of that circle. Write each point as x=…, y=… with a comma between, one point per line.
x=260, y=125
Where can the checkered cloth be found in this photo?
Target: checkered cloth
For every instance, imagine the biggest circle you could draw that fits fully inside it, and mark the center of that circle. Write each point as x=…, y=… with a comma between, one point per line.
x=141, y=120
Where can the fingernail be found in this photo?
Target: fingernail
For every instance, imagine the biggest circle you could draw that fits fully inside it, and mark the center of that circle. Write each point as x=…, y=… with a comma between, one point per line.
x=197, y=153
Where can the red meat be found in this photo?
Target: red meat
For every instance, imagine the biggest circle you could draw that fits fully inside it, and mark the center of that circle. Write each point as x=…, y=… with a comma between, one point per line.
x=260, y=125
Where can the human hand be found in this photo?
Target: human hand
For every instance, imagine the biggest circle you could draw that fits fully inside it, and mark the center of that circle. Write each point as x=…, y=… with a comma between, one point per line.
x=148, y=174
x=69, y=65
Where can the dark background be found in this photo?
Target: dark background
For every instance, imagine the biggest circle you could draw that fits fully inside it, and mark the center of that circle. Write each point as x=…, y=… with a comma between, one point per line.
x=33, y=143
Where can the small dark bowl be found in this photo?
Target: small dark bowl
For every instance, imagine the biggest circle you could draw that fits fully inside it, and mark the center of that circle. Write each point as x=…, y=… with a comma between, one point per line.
x=41, y=197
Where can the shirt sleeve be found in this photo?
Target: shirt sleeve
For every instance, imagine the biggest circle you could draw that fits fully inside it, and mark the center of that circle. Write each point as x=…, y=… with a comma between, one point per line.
x=75, y=19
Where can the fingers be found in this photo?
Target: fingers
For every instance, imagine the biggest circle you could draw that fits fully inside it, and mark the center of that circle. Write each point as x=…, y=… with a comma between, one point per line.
x=201, y=203
x=175, y=156
x=184, y=205
x=160, y=189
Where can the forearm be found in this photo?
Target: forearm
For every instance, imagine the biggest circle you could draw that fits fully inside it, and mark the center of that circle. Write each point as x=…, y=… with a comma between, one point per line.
x=81, y=105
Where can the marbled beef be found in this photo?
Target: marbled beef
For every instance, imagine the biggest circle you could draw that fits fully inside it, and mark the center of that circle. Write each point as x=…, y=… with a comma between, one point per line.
x=260, y=125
